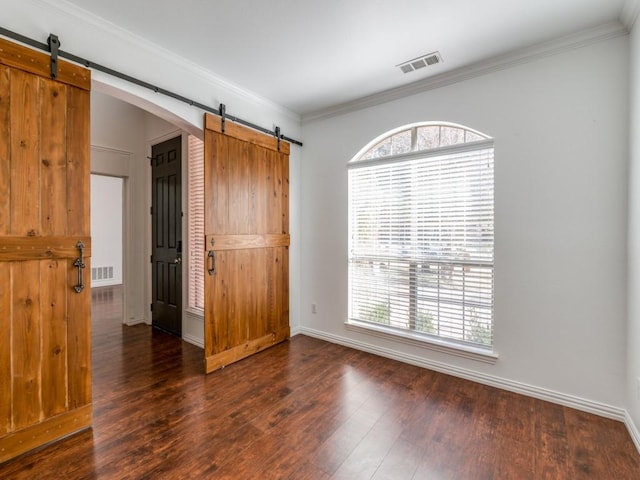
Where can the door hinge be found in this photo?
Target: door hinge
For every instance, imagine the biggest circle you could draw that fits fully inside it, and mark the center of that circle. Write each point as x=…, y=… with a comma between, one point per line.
x=151, y=210
x=150, y=258
x=151, y=307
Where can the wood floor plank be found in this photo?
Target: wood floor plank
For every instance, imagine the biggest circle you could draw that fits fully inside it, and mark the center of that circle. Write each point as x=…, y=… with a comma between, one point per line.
x=365, y=459
x=620, y=454
x=307, y=410
x=552, y=454
x=401, y=462
x=583, y=434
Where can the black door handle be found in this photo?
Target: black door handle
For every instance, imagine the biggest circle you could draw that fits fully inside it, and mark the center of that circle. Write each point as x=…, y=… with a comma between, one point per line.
x=211, y=256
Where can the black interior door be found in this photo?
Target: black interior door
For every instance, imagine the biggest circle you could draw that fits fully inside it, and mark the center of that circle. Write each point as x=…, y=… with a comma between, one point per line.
x=166, y=213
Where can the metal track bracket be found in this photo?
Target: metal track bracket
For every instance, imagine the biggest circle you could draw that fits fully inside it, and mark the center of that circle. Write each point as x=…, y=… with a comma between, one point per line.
x=54, y=46
x=223, y=116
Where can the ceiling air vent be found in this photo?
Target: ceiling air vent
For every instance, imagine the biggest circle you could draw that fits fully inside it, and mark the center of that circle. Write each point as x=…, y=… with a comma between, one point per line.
x=420, y=62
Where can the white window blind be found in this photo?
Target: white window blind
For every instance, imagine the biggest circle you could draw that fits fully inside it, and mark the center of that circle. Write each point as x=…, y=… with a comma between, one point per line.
x=196, y=223
x=421, y=236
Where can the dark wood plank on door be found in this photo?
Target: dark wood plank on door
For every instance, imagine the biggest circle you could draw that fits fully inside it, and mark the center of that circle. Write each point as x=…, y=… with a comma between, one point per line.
x=54, y=338
x=24, y=157
x=25, y=332
x=5, y=151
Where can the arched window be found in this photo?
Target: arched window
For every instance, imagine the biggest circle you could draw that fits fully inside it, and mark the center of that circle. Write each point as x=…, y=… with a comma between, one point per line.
x=421, y=234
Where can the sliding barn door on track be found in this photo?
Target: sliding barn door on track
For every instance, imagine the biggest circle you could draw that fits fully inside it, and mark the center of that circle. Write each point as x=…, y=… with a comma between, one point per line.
x=247, y=242
x=45, y=245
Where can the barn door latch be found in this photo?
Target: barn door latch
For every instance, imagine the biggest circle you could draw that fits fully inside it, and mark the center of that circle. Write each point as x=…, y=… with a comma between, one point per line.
x=54, y=45
x=79, y=264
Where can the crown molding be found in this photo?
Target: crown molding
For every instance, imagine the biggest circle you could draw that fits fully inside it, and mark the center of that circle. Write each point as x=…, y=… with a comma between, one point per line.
x=81, y=15
x=629, y=13
x=573, y=41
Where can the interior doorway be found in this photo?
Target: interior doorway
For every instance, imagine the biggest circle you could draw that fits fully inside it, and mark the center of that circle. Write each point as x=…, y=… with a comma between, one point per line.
x=107, y=229
x=107, y=263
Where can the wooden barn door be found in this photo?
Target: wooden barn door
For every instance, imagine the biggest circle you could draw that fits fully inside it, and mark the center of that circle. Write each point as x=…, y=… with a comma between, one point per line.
x=45, y=343
x=247, y=242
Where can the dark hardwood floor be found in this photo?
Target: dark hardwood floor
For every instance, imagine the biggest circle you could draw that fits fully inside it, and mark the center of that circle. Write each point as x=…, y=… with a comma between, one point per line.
x=308, y=409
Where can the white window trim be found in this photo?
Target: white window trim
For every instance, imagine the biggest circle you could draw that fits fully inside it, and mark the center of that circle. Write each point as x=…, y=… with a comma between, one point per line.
x=421, y=340
x=420, y=154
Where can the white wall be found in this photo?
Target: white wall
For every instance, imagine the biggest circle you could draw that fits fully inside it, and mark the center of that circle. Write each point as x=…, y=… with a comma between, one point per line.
x=633, y=333
x=561, y=145
x=106, y=227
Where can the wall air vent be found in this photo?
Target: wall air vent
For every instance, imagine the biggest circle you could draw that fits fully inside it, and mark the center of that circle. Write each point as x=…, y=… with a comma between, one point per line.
x=420, y=62
x=101, y=273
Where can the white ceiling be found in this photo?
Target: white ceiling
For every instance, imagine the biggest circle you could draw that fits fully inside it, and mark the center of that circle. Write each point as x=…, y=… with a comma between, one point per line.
x=309, y=55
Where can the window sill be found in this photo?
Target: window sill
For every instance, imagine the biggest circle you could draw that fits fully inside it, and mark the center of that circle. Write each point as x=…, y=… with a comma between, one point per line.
x=194, y=312
x=408, y=338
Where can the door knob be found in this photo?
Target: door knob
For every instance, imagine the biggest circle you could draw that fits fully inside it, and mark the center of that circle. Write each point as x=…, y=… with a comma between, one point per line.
x=177, y=260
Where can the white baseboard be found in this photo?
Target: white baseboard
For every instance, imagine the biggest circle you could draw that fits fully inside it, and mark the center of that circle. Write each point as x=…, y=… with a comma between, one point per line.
x=193, y=340
x=135, y=321
x=193, y=327
x=105, y=283
x=296, y=331
x=633, y=430
x=560, y=398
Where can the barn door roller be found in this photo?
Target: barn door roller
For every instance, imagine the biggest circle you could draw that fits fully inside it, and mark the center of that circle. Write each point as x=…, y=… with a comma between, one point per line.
x=278, y=136
x=223, y=116
x=54, y=45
